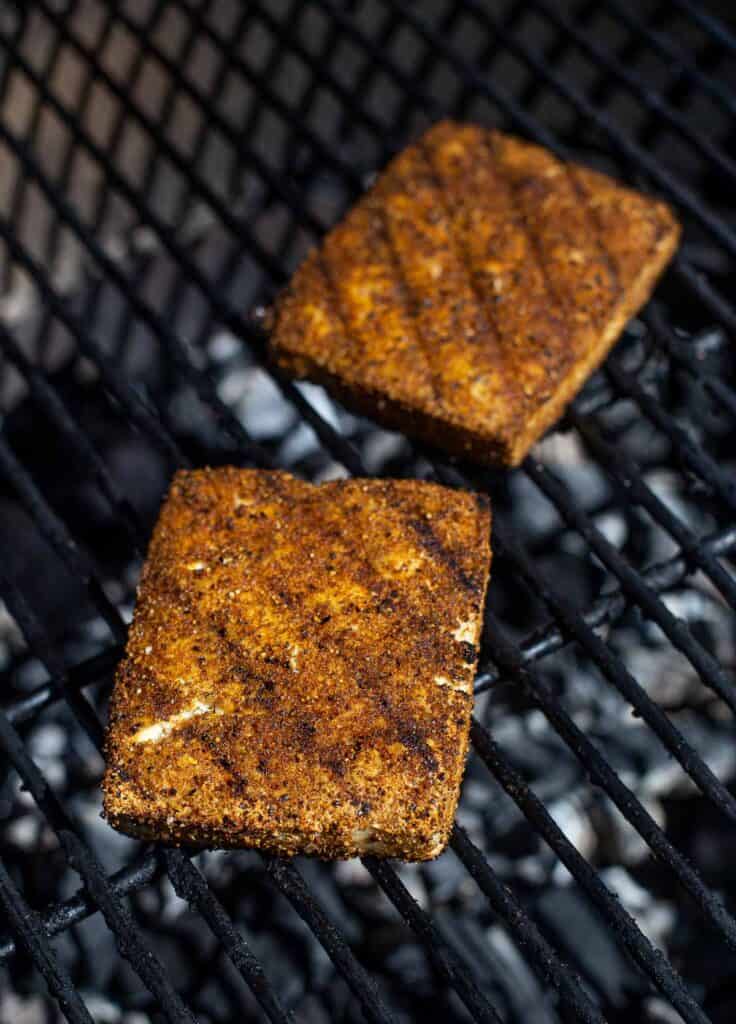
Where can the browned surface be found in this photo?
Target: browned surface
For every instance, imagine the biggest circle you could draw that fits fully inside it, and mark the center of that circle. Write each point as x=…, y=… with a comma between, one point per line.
x=312, y=649
x=468, y=295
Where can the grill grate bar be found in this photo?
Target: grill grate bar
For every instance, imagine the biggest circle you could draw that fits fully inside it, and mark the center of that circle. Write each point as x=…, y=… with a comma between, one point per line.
x=327, y=934
x=192, y=887
x=603, y=775
x=660, y=577
x=679, y=634
x=202, y=381
x=683, y=65
x=442, y=955
x=19, y=195
x=56, y=919
x=342, y=956
x=639, y=588
x=135, y=407
x=29, y=928
x=504, y=903
x=676, y=349
x=716, y=303
x=48, y=400
x=651, y=960
x=130, y=109
x=705, y=292
x=650, y=99
x=289, y=882
x=106, y=898
x=573, y=625
x=118, y=918
x=222, y=309
x=230, y=316
x=622, y=468
x=715, y=28
x=54, y=235
x=58, y=537
x=691, y=454
x=631, y=151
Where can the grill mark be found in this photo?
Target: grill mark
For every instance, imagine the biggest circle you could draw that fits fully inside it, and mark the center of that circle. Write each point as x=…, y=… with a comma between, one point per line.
x=403, y=729
x=566, y=303
x=456, y=243
x=334, y=301
x=596, y=230
x=554, y=296
x=409, y=736
x=338, y=310
x=661, y=227
x=408, y=304
x=407, y=732
x=434, y=546
x=236, y=783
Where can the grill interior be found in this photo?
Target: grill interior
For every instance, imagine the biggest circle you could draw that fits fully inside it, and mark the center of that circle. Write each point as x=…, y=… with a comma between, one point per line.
x=165, y=165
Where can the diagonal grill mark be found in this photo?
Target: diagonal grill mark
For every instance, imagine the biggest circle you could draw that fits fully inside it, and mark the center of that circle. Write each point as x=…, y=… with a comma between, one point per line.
x=596, y=231
x=460, y=249
x=341, y=317
x=411, y=738
x=405, y=291
x=335, y=303
x=431, y=543
x=534, y=245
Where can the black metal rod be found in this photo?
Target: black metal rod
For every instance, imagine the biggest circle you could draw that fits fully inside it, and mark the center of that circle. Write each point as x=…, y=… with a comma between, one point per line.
x=715, y=28
x=449, y=965
x=651, y=960
x=223, y=310
x=27, y=925
x=680, y=352
x=542, y=956
x=66, y=423
x=114, y=383
x=678, y=59
x=632, y=151
x=704, y=465
x=60, y=916
x=128, y=936
x=291, y=884
x=649, y=98
x=508, y=657
x=681, y=564
x=54, y=531
x=192, y=887
x=622, y=468
x=574, y=625
x=676, y=629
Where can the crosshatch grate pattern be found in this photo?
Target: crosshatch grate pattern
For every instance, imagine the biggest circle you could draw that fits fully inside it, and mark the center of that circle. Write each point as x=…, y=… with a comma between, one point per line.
x=167, y=164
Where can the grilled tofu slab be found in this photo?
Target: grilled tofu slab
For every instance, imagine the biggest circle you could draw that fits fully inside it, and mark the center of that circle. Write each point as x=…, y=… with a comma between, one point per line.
x=299, y=670
x=467, y=296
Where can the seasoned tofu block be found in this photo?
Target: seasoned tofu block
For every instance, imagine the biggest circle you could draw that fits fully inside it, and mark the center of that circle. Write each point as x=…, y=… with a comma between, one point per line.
x=468, y=295
x=299, y=671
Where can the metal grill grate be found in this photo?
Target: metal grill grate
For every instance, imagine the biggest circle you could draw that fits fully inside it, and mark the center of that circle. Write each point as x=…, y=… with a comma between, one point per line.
x=167, y=164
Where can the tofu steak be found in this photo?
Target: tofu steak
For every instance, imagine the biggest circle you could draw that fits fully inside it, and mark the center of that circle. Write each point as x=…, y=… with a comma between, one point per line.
x=298, y=674
x=467, y=296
